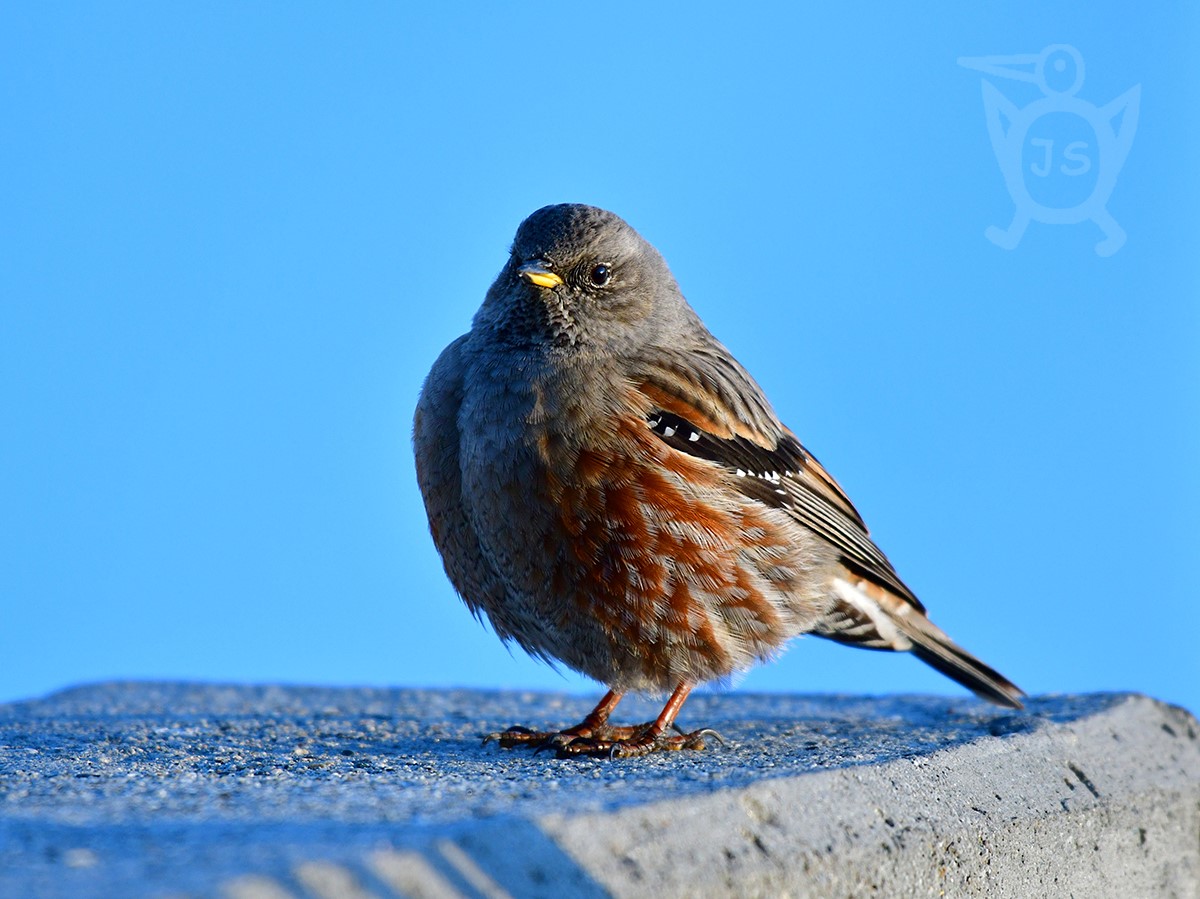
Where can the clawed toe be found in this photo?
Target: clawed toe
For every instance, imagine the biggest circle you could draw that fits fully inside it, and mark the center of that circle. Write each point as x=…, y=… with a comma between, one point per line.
x=517, y=736
x=695, y=740
x=594, y=737
x=645, y=744
x=603, y=742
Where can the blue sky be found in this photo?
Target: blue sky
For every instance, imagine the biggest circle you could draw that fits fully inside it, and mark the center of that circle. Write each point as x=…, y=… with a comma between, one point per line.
x=233, y=239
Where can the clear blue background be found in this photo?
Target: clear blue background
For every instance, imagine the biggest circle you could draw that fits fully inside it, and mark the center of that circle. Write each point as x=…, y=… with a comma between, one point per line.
x=234, y=237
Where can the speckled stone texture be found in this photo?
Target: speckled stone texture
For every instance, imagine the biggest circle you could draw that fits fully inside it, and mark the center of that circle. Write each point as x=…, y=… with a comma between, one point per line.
x=148, y=789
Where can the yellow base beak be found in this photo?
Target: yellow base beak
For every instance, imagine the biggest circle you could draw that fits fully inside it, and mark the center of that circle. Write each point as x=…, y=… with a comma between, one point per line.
x=535, y=272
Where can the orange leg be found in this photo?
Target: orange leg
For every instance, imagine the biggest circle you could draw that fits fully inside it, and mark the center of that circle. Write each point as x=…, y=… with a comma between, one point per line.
x=594, y=736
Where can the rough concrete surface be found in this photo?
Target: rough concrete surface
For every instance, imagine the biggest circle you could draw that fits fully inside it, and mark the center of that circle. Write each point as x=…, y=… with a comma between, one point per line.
x=178, y=790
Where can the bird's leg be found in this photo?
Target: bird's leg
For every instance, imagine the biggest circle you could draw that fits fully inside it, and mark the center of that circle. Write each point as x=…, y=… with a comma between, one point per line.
x=1008, y=239
x=641, y=739
x=594, y=736
x=595, y=725
x=1114, y=234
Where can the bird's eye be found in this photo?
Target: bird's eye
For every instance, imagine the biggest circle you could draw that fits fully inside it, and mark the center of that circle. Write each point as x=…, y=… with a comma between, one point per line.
x=599, y=275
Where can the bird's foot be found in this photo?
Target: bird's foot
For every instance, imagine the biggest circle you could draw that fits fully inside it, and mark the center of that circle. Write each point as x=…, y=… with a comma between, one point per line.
x=605, y=741
x=538, y=740
x=639, y=744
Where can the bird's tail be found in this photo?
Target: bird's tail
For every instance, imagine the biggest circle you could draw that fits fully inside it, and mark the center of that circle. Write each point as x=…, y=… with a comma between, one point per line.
x=871, y=617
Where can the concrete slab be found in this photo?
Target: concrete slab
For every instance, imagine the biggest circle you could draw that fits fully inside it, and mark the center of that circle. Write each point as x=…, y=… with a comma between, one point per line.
x=174, y=790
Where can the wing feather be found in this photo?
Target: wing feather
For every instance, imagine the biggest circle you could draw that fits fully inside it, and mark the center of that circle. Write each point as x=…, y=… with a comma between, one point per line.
x=785, y=476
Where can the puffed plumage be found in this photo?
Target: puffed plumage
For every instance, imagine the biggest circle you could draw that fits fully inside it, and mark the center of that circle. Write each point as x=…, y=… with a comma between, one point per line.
x=609, y=486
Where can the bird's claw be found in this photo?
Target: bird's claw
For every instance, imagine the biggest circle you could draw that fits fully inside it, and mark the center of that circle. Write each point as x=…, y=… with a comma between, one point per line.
x=517, y=736
x=698, y=737
x=604, y=742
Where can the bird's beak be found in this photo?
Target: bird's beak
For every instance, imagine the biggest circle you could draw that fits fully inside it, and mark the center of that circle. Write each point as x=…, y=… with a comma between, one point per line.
x=536, y=272
x=1019, y=67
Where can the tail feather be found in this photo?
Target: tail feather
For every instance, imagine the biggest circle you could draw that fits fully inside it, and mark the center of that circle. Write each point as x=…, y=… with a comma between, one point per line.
x=871, y=617
x=959, y=665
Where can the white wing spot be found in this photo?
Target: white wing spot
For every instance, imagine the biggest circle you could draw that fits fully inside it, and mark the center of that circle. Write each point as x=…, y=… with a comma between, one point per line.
x=694, y=436
x=668, y=431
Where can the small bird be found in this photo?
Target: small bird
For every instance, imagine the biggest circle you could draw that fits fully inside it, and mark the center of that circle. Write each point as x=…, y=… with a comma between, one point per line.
x=611, y=488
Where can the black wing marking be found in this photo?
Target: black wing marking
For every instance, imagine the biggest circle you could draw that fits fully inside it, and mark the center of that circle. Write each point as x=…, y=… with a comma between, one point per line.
x=788, y=477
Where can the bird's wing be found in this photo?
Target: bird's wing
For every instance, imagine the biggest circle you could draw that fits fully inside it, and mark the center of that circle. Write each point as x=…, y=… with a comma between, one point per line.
x=705, y=404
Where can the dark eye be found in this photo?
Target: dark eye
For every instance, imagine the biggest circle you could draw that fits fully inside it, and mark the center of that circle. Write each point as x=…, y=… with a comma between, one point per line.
x=599, y=275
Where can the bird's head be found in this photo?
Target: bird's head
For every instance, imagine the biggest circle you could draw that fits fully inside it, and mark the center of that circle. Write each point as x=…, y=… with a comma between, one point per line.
x=580, y=277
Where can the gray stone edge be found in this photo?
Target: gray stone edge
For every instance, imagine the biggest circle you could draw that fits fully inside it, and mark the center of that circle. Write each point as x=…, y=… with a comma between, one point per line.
x=1106, y=805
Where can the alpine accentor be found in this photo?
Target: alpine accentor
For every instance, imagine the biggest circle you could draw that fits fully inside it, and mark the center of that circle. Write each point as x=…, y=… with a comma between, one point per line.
x=612, y=489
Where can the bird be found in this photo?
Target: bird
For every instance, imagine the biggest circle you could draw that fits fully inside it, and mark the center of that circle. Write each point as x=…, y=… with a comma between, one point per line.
x=614, y=492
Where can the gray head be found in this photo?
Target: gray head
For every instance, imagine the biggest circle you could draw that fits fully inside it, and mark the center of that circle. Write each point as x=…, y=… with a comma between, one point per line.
x=580, y=278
